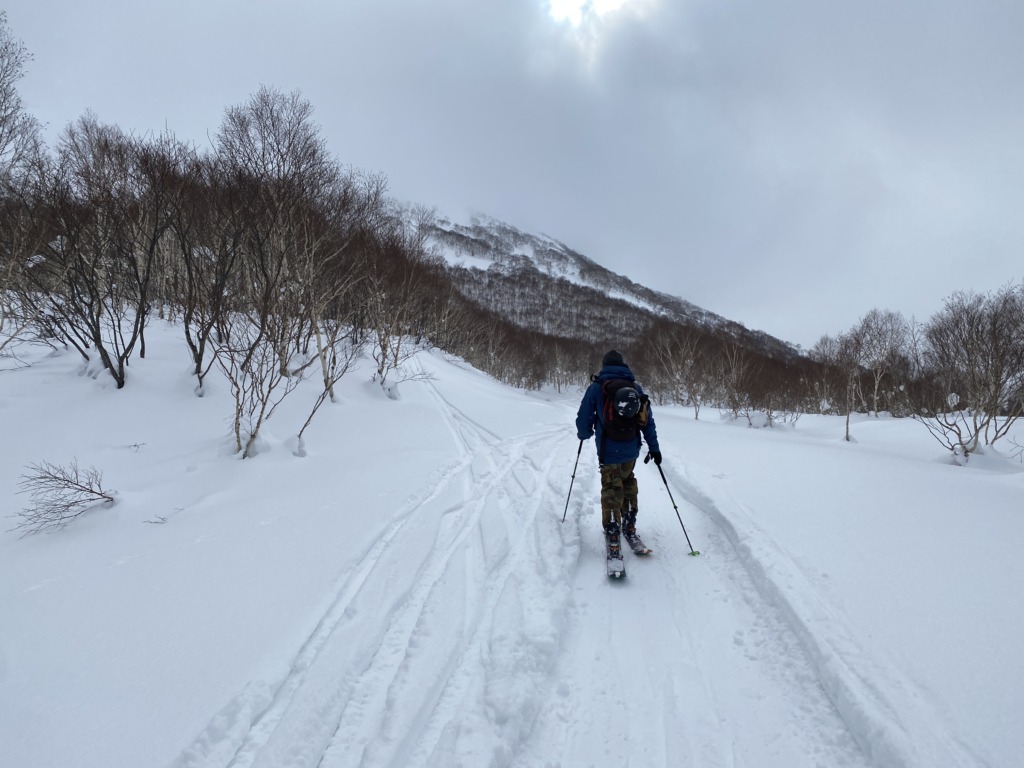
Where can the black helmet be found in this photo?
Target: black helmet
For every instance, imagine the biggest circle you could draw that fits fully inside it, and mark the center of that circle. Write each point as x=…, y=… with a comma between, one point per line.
x=627, y=402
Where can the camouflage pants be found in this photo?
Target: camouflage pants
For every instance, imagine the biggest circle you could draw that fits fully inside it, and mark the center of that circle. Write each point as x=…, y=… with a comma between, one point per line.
x=618, y=491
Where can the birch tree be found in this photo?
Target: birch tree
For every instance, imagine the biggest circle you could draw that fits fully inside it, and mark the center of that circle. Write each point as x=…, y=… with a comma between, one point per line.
x=87, y=285
x=21, y=160
x=272, y=154
x=842, y=356
x=974, y=359
x=679, y=359
x=883, y=338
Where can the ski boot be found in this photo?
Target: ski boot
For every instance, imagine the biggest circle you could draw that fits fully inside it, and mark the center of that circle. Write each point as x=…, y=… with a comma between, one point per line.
x=629, y=532
x=613, y=551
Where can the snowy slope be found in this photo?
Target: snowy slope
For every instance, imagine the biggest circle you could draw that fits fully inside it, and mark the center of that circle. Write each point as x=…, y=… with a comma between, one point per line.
x=407, y=595
x=484, y=249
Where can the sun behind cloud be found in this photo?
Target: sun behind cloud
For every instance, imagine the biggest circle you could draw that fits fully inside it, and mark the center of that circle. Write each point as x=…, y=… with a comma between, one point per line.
x=574, y=11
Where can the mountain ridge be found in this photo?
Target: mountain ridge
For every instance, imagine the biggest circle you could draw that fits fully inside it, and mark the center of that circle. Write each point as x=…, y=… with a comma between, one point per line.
x=539, y=283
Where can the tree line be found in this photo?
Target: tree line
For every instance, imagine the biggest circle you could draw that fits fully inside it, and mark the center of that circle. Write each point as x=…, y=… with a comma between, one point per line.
x=282, y=264
x=961, y=373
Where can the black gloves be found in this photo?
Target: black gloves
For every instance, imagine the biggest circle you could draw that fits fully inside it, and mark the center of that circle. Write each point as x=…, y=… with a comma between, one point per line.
x=656, y=455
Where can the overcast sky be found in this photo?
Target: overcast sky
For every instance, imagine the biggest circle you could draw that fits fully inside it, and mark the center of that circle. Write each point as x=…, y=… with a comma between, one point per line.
x=789, y=164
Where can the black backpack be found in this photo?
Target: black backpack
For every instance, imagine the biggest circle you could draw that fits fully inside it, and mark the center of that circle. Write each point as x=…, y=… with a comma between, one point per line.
x=624, y=411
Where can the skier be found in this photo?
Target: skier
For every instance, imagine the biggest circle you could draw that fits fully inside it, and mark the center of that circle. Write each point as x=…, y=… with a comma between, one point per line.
x=617, y=410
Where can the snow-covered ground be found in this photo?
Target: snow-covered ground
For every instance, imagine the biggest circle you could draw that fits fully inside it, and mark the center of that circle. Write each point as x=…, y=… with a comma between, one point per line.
x=407, y=595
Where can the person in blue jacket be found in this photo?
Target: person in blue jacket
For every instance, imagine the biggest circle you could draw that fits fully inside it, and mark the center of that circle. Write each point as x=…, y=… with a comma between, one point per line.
x=616, y=457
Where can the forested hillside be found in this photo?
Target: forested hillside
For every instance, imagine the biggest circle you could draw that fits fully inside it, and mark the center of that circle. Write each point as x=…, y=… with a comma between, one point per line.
x=542, y=284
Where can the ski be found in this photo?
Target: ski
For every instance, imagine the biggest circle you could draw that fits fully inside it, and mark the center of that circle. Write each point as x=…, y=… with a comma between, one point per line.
x=637, y=545
x=616, y=567
x=615, y=564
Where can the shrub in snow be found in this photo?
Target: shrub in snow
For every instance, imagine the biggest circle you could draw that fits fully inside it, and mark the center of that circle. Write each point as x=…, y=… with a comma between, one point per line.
x=58, y=495
x=758, y=420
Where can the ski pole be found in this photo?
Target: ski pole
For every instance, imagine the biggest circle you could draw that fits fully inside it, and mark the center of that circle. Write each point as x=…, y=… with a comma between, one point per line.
x=578, y=452
x=693, y=552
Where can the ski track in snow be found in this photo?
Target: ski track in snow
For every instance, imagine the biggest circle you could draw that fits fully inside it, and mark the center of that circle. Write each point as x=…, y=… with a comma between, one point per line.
x=451, y=665
x=624, y=701
x=506, y=645
x=848, y=675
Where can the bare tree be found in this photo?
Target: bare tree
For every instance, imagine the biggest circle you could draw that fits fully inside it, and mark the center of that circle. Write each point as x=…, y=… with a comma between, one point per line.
x=335, y=239
x=973, y=359
x=338, y=347
x=883, y=339
x=397, y=302
x=154, y=189
x=333, y=284
x=98, y=219
x=679, y=363
x=20, y=137
x=273, y=156
x=775, y=393
x=841, y=358
x=16, y=247
x=84, y=286
x=248, y=353
x=737, y=370
x=21, y=159
x=208, y=229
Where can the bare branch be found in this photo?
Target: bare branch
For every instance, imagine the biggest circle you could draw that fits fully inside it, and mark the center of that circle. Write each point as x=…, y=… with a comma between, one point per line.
x=58, y=495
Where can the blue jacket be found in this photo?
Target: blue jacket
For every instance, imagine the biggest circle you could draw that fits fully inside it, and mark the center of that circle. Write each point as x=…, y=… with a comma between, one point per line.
x=588, y=421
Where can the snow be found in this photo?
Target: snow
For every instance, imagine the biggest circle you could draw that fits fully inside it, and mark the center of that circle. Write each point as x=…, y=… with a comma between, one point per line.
x=461, y=258
x=635, y=301
x=407, y=594
x=555, y=261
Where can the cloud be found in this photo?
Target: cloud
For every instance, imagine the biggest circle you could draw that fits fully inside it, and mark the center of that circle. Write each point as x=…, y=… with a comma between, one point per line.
x=750, y=157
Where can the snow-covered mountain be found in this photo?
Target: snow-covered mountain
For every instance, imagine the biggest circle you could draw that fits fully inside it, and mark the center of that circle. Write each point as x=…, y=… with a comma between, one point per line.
x=540, y=283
